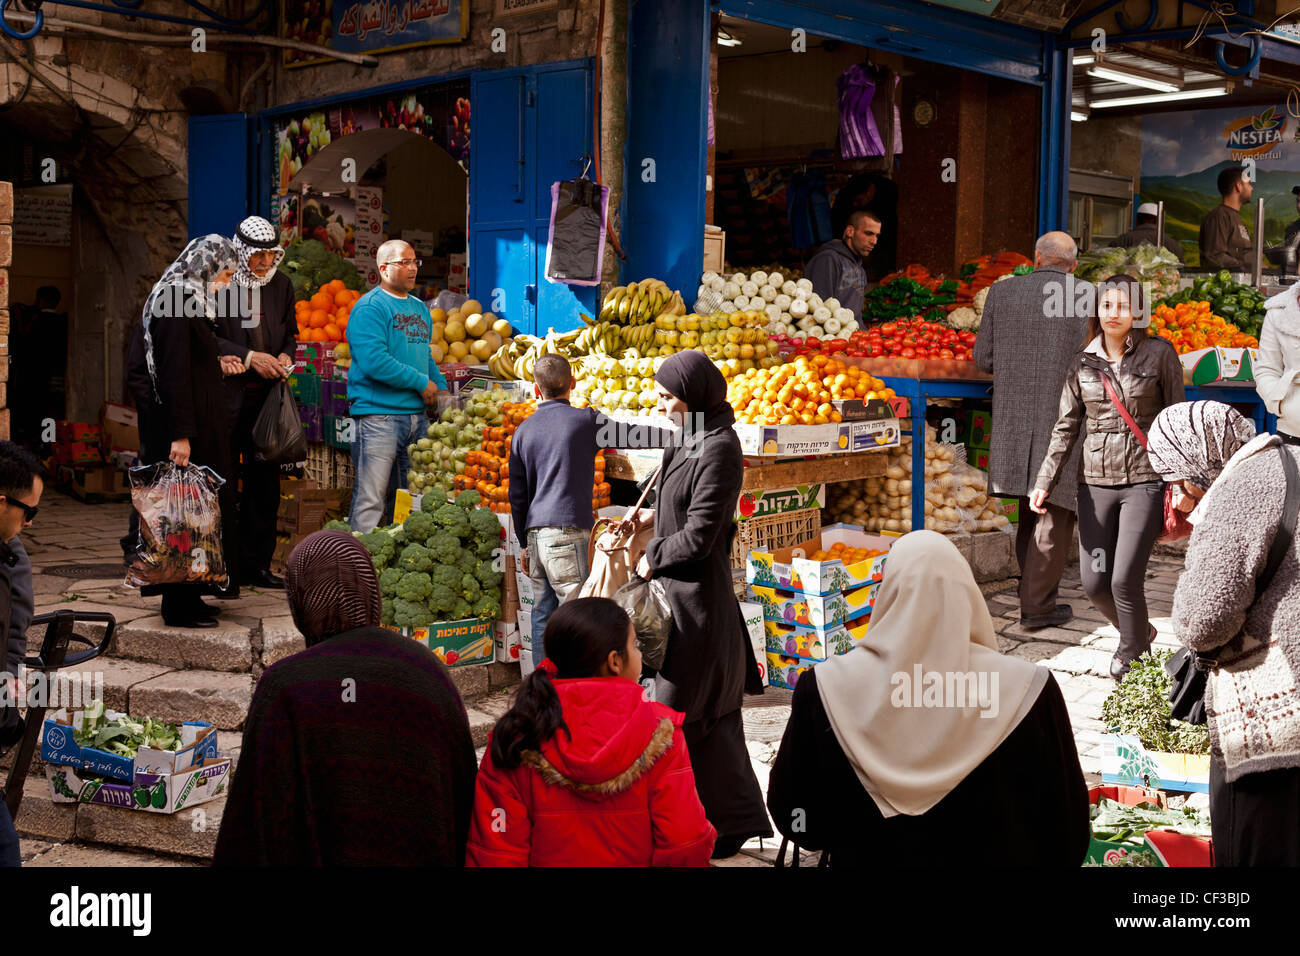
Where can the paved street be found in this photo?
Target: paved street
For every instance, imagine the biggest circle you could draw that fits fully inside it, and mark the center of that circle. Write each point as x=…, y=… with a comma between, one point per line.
x=70, y=533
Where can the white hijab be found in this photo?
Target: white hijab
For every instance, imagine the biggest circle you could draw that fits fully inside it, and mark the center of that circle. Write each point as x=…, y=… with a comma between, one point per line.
x=909, y=745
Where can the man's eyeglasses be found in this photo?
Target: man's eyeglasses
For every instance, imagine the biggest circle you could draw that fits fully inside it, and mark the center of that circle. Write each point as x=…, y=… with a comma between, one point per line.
x=405, y=263
x=29, y=511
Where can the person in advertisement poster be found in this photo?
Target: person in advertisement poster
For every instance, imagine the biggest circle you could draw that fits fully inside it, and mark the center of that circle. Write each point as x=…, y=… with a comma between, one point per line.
x=1224, y=239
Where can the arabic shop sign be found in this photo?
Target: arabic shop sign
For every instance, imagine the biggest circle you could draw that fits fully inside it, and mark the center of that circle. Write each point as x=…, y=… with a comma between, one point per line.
x=371, y=26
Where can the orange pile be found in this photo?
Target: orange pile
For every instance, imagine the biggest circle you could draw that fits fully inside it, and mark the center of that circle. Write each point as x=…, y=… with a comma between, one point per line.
x=1192, y=325
x=324, y=317
x=800, y=392
x=840, y=551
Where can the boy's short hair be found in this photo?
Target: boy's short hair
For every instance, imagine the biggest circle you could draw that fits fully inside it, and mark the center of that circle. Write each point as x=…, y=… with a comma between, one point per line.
x=553, y=375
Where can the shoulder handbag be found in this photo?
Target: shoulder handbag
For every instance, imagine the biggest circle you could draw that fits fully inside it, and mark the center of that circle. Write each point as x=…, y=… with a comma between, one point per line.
x=1190, y=670
x=615, y=551
x=1175, y=526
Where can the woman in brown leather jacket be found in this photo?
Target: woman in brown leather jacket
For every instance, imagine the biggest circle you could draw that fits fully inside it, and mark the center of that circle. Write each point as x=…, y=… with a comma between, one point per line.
x=1121, y=497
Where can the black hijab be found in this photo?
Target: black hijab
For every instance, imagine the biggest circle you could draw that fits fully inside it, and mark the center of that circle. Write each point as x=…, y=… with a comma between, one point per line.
x=692, y=377
x=331, y=585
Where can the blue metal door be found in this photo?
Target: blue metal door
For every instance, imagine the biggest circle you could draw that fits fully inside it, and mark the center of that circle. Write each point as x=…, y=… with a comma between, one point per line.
x=537, y=122
x=218, y=173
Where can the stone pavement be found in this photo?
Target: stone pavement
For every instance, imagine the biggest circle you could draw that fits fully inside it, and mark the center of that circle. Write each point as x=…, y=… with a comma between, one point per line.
x=210, y=675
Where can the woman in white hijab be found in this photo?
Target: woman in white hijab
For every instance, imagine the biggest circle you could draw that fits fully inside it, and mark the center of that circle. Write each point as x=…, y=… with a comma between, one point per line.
x=898, y=749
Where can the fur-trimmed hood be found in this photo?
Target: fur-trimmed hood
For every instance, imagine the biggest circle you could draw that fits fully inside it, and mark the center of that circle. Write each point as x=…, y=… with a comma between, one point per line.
x=615, y=736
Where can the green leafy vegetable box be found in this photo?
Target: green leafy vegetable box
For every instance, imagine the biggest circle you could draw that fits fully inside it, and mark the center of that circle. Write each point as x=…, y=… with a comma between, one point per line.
x=791, y=569
x=458, y=643
x=819, y=611
x=204, y=780
x=107, y=743
x=1125, y=761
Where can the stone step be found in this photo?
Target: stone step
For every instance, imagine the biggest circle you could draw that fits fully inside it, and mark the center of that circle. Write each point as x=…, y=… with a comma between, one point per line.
x=219, y=698
x=42, y=853
x=226, y=647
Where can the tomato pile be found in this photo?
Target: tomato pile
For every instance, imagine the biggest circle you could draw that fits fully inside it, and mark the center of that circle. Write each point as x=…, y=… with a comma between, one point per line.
x=911, y=338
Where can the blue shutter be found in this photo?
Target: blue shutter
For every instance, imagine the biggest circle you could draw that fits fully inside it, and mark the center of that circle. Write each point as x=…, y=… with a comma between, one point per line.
x=218, y=173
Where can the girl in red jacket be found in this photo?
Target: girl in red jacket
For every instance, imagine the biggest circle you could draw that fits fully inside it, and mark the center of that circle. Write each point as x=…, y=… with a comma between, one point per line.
x=583, y=770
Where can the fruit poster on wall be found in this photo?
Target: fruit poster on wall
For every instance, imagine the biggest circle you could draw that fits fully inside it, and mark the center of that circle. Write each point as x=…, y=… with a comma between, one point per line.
x=441, y=113
x=370, y=26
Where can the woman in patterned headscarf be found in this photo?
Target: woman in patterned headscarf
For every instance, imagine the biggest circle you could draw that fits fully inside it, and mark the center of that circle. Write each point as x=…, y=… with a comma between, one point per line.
x=356, y=751
x=1191, y=443
x=183, y=417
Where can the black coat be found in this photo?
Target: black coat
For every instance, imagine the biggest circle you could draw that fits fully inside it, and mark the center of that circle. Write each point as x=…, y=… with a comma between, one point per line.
x=709, y=664
x=277, y=327
x=1028, y=797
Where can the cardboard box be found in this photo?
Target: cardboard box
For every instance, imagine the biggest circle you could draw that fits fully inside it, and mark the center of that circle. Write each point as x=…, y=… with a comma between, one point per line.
x=812, y=643
x=814, y=610
x=515, y=391
x=59, y=746
x=339, y=432
x=305, y=386
x=1125, y=761
x=151, y=792
x=69, y=432
x=334, y=398
x=1010, y=507
x=979, y=427
x=783, y=671
x=119, y=430
x=78, y=453
x=456, y=374
x=861, y=410
x=791, y=569
x=715, y=250
x=754, y=626
x=95, y=480
x=979, y=457
x=793, y=441
x=760, y=504
x=507, y=644
x=313, y=422
x=459, y=643
x=1108, y=851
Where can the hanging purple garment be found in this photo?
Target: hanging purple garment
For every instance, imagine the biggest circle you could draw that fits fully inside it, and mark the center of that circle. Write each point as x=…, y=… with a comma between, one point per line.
x=859, y=135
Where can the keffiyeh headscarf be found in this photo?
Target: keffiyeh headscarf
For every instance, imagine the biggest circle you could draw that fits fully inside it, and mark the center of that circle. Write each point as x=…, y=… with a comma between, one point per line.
x=1193, y=441
x=331, y=585
x=187, y=279
x=255, y=234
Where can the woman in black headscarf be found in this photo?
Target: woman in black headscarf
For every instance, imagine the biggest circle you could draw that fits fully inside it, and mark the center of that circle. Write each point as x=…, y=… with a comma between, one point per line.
x=709, y=664
x=356, y=751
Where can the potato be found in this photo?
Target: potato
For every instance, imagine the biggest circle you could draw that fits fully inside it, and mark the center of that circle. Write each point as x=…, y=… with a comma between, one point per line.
x=891, y=485
x=905, y=486
x=895, y=472
x=893, y=524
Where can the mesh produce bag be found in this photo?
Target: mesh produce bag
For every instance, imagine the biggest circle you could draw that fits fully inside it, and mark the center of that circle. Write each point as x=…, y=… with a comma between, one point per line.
x=180, y=526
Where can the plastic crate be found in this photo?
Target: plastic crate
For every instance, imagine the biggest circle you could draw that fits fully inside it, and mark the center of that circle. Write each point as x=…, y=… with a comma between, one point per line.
x=319, y=465
x=781, y=530
x=343, y=473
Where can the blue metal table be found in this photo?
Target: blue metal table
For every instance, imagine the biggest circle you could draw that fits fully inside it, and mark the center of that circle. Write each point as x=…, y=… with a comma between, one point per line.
x=918, y=391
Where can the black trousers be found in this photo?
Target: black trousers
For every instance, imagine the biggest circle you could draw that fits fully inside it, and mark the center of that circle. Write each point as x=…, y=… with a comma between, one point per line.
x=253, y=536
x=724, y=778
x=1254, y=819
x=1118, y=527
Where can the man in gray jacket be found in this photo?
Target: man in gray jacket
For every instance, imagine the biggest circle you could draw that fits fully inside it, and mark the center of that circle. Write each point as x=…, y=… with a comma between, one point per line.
x=1031, y=328
x=836, y=270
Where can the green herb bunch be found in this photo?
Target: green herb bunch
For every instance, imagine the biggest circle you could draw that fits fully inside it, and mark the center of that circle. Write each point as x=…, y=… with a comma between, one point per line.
x=1140, y=706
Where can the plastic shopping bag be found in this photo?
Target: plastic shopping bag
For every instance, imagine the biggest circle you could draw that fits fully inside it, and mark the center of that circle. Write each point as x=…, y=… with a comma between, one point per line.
x=180, y=526
x=278, y=433
x=575, y=249
x=646, y=603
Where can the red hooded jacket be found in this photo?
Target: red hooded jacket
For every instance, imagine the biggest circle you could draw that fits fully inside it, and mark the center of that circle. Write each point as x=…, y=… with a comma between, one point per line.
x=620, y=792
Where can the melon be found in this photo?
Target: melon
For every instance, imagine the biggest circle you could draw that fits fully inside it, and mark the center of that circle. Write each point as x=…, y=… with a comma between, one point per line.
x=438, y=315
x=470, y=306
x=458, y=351
x=481, y=349
x=493, y=338
x=502, y=328
x=439, y=328
x=475, y=325
x=455, y=332
x=437, y=352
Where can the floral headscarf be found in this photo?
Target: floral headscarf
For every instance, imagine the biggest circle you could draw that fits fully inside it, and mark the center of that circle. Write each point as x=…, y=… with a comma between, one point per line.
x=255, y=235
x=1193, y=441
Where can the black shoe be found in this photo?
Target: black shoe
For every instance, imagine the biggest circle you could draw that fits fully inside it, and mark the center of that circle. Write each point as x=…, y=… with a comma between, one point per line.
x=229, y=593
x=265, y=579
x=204, y=609
x=1119, y=667
x=1055, y=618
x=726, y=846
x=191, y=621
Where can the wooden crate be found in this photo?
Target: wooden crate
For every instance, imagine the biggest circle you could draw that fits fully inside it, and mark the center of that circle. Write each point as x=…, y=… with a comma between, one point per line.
x=342, y=472
x=319, y=465
x=781, y=530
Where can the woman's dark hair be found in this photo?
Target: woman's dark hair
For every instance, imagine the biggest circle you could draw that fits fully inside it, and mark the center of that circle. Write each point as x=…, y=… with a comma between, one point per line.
x=578, y=639
x=1137, y=301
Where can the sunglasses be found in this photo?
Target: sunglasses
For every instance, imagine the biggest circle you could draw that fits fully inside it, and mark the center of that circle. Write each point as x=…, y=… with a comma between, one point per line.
x=29, y=511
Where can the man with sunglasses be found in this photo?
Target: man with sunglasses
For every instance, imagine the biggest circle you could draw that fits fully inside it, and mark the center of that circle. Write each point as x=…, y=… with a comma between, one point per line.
x=393, y=380
x=20, y=497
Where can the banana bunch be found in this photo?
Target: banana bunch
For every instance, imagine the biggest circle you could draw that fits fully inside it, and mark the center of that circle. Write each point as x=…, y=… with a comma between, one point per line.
x=640, y=302
x=600, y=338
x=516, y=359
x=638, y=337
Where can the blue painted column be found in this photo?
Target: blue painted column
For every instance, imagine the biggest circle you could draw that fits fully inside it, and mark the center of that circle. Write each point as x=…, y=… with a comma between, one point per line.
x=1054, y=144
x=667, y=114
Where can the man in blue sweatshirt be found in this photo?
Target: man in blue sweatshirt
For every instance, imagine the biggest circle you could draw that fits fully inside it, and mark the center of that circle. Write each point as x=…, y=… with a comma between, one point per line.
x=552, y=468
x=392, y=381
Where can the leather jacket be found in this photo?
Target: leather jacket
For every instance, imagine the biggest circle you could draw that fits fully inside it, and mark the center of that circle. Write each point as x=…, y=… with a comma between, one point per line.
x=1150, y=379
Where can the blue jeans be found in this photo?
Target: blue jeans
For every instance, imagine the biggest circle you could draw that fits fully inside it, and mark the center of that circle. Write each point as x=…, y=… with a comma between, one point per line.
x=378, y=444
x=557, y=566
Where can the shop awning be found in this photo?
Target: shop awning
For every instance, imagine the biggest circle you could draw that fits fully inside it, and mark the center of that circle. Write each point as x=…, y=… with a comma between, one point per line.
x=324, y=171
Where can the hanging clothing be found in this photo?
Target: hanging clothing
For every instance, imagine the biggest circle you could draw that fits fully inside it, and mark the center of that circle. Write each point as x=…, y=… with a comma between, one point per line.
x=870, y=123
x=809, y=209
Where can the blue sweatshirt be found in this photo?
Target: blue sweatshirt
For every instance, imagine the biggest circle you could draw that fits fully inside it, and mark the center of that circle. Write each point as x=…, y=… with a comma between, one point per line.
x=553, y=463
x=391, y=363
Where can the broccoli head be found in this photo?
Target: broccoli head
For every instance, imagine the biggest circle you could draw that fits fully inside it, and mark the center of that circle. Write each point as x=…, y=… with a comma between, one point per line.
x=386, y=612
x=461, y=610
x=447, y=575
x=442, y=598
x=414, y=587
x=381, y=547
x=415, y=557
x=388, y=579
x=453, y=520
x=466, y=563
x=488, y=576
x=468, y=499
x=487, y=606
x=469, y=588
x=486, y=548
x=411, y=614
x=337, y=526
x=444, y=547
x=483, y=524
x=434, y=497
x=418, y=526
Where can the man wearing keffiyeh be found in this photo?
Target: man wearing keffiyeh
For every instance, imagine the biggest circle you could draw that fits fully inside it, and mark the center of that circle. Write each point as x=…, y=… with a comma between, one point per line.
x=257, y=331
